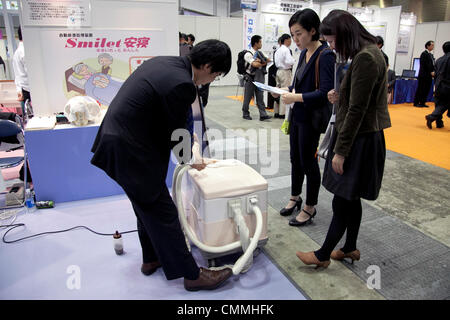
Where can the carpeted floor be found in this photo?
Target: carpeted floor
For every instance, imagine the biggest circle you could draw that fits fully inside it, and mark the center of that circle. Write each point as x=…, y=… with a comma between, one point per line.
x=241, y=98
x=409, y=135
x=43, y=267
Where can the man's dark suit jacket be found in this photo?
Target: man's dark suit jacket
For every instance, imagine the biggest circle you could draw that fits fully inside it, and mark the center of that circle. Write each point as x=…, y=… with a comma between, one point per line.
x=391, y=80
x=443, y=80
x=315, y=109
x=134, y=140
x=426, y=65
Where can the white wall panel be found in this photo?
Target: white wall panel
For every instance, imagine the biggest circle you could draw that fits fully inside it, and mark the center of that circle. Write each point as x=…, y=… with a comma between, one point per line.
x=442, y=36
x=391, y=15
x=326, y=7
x=225, y=29
x=424, y=32
x=187, y=25
x=231, y=34
x=207, y=28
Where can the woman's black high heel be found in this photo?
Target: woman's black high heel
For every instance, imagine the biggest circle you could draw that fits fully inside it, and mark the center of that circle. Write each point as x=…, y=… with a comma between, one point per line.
x=295, y=223
x=287, y=212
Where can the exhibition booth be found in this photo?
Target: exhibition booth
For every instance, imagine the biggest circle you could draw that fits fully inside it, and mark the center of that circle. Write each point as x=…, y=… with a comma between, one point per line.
x=89, y=48
x=91, y=52
x=97, y=46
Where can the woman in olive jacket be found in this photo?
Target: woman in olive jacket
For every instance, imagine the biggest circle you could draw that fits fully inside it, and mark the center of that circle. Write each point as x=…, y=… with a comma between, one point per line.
x=355, y=163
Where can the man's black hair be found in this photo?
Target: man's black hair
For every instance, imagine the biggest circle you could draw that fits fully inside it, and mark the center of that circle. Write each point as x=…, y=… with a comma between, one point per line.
x=255, y=39
x=284, y=37
x=380, y=40
x=182, y=36
x=446, y=47
x=214, y=52
x=191, y=36
x=428, y=44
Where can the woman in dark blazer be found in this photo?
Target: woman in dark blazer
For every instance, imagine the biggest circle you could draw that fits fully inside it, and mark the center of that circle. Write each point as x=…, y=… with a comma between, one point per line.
x=310, y=112
x=355, y=163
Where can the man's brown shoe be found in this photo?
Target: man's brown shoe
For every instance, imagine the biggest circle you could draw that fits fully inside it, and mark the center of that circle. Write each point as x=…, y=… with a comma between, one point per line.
x=149, y=268
x=208, y=279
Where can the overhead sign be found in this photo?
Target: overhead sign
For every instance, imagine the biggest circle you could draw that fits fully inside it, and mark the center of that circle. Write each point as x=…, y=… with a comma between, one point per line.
x=249, y=4
x=284, y=6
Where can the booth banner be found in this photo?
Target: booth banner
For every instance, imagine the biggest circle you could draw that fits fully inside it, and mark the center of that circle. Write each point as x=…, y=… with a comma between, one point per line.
x=285, y=6
x=364, y=15
x=249, y=4
x=376, y=28
x=404, y=35
x=274, y=26
x=69, y=13
x=250, y=27
x=94, y=62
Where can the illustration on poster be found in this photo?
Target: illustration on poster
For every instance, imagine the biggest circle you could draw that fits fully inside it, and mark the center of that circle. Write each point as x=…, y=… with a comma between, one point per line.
x=96, y=82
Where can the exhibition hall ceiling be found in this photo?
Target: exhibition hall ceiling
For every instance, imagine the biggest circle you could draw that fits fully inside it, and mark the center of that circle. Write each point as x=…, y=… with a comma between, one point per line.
x=425, y=10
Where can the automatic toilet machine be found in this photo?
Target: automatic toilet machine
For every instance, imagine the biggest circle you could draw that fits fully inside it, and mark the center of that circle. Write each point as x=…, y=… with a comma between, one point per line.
x=222, y=209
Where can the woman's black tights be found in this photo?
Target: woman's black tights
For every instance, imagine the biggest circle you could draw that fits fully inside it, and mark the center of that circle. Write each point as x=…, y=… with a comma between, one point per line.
x=346, y=216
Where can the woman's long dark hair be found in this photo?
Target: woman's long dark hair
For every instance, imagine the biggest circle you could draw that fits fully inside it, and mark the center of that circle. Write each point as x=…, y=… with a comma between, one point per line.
x=350, y=34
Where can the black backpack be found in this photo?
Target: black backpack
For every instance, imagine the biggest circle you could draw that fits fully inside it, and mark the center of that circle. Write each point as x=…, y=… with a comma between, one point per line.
x=241, y=63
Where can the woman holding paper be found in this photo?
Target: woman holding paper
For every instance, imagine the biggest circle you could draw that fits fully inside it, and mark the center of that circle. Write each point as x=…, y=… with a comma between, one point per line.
x=355, y=162
x=313, y=79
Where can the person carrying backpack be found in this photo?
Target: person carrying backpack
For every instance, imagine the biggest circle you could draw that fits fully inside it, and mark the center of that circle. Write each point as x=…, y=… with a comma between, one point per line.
x=255, y=64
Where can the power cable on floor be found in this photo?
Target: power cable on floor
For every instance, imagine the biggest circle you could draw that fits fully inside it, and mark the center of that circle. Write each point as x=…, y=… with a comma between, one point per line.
x=13, y=226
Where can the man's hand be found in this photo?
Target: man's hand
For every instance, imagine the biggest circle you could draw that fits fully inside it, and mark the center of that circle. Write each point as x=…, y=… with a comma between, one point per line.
x=19, y=96
x=333, y=96
x=198, y=166
x=433, y=74
x=338, y=164
x=257, y=63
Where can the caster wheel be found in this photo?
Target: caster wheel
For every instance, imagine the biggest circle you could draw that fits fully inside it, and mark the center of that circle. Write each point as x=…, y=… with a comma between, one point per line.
x=256, y=252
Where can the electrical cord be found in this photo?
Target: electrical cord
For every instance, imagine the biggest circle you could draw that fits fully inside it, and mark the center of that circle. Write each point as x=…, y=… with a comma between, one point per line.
x=13, y=226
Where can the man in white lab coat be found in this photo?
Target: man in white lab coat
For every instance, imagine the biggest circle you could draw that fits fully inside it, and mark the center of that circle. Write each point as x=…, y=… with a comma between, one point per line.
x=284, y=62
x=20, y=71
